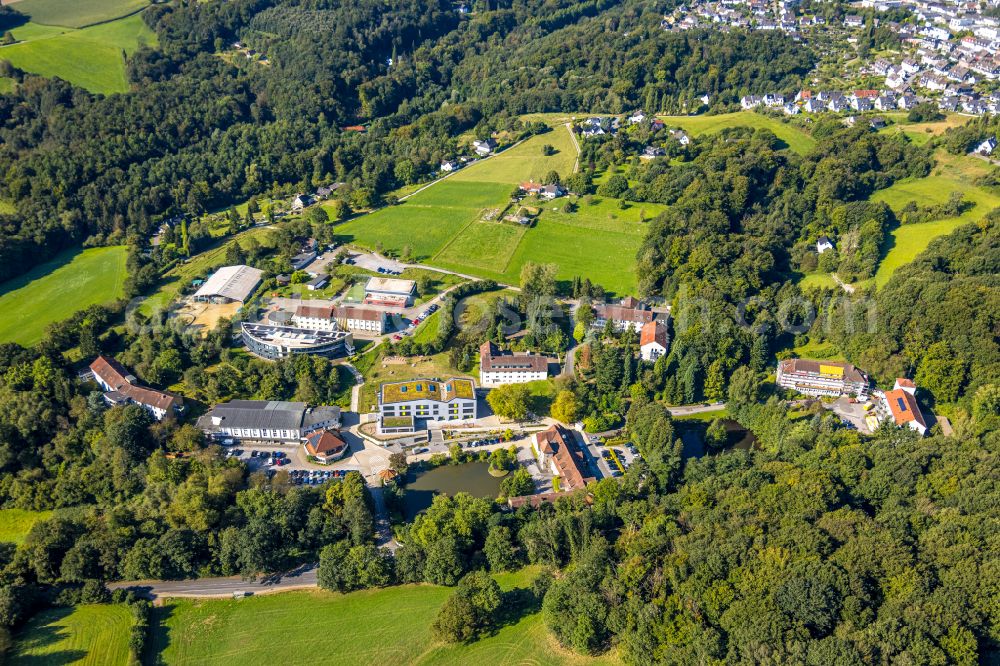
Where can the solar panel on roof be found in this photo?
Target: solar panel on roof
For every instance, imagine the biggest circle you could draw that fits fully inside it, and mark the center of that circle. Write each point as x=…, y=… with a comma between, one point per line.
x=902, y=405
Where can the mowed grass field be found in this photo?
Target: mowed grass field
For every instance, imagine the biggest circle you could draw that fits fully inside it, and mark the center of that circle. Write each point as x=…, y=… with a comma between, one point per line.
x=443, y=224
x=92, y=635
x=16, y=523
x=55, y=290
x=90, y=57
x=390, y=626
x=796, y=139
x=77, y=13
x=952, y=174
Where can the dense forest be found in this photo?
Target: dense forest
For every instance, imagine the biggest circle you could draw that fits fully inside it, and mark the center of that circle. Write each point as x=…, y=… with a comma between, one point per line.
x=201, y=131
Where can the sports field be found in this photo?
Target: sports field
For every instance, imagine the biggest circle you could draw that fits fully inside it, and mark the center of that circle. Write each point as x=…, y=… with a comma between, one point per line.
x=952, y=174
x=16, y=523
x=444, y=224
x=91, y=634
x=390, y=626
x=78, y=13
x=795, y=138
x=90, y=57
x=53, y=291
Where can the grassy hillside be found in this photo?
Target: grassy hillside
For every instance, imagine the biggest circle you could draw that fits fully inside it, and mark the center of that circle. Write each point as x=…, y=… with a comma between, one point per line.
x=797, y=139
x=444, y=227
x=90, y=58
x=16, y=523
x=323, y=627
x=952, y=174
x=93, y=634
x=53, y=291
x=78, y=13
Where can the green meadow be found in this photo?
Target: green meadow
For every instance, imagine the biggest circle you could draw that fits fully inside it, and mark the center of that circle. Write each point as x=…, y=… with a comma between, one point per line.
x=94, y=635
x=16, y=523
x=78, y=13
x=54, y=290
x=89, y=57
x=951, y=174
x=390, y=626
x=443, y=224
x=796, y=139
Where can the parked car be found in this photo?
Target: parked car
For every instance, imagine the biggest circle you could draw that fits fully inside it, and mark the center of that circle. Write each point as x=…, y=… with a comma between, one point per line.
x=421, y=449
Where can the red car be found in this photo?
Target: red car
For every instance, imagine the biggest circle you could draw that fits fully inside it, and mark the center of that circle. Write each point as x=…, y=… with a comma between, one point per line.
x=397, y=338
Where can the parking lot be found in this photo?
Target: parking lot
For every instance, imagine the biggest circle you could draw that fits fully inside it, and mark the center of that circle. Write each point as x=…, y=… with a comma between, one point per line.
x=270, y=459
x=372, y=263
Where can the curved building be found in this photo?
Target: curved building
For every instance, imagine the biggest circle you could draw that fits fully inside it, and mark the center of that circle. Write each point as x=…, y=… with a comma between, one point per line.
x=272, y=342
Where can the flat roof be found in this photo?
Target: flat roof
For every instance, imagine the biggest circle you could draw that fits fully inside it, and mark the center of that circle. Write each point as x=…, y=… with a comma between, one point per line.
x=390, y=286
x=236, y=283
x=427, y=389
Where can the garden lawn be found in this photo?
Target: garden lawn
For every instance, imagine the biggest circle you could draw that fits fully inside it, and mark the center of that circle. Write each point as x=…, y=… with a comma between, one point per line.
x=396, y=630
x=16, y=523
x=90, y=58
x=89, y=634
x=55, y=290
x=952, y=174
x=796, y=139
x=817, y=281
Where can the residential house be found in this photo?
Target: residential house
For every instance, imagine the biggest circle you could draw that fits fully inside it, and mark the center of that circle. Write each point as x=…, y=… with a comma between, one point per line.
x=654, y=340
x=987, y=146
x=900, y=405
x=301, y=201
x=449, y=165
x=823, y=244
x=484, y=147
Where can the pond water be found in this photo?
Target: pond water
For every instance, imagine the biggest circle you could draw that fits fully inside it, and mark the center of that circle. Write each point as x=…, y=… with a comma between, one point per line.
x=473, y=478
x=693, y=436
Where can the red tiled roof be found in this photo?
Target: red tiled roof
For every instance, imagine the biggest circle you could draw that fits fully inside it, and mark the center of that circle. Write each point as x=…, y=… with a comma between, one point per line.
x=325, y=443
x=653, y=331
x=354, y=312
x=314, y=311
x=114, y=374
x=906, y=383
x=568, y=459
x=621, y=313
x=903, y=407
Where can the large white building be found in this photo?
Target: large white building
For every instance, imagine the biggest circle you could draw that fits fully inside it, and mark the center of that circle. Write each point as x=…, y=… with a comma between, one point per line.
x=504, y=367
x=230, y=284
x=272, y=341
x=269, y=420
x=390, y=291
x=401, y=405
x=830, y=378
x=353, y=318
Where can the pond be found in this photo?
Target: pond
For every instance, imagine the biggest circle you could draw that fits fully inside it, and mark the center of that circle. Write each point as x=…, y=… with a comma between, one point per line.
x=693, y=436
x=473, y=478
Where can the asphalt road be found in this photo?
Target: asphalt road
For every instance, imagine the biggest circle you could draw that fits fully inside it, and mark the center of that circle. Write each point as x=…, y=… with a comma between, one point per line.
x=302, y=577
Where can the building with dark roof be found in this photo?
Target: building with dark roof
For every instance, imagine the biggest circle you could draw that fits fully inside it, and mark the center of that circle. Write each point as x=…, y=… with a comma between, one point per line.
x=121, y=387
x=269, y=420
x=498, y=367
